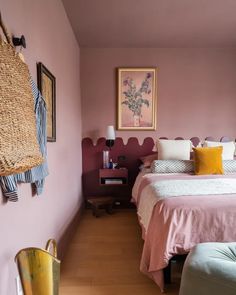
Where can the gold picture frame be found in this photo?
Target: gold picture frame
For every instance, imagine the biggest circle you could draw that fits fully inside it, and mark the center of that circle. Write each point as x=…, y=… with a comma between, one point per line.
x=136, y=108
x=47, y=87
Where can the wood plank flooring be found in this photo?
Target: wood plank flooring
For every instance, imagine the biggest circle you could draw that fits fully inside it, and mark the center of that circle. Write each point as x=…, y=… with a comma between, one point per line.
x=103, y=258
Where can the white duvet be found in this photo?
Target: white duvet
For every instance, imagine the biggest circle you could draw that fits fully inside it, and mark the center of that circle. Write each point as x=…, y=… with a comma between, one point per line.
x=163, y=189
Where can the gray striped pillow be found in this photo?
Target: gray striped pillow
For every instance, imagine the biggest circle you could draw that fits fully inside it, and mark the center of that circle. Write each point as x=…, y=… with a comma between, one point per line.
x=172, y=166
x=229, y=166
x=185, y=166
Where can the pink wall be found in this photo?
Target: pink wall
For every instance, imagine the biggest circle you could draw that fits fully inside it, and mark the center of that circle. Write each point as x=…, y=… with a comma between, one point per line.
x=32, y=220
x=196, y=90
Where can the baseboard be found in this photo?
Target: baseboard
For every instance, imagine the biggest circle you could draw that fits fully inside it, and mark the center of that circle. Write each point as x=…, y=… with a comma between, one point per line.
x=68, y=234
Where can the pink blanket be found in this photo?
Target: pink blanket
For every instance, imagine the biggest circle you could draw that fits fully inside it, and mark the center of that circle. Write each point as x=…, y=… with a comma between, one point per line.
x=179, y=223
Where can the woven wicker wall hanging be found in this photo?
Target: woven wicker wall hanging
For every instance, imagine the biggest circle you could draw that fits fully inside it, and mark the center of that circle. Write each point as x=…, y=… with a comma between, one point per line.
x=19, y=149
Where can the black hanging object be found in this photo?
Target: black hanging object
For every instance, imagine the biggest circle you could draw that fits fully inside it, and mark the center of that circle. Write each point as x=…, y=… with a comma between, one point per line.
x=110, y=143
x=19, y=41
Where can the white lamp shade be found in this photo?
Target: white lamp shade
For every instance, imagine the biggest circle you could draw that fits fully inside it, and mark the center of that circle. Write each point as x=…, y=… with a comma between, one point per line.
x=110, y=133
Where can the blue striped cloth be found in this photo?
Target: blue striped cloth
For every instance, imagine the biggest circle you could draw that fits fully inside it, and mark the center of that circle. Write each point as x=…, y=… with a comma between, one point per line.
x=37, y=174
x=9, y=187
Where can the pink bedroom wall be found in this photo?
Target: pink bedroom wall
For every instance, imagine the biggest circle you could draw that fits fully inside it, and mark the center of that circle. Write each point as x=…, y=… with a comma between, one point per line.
x=33, y=220
x=196, y=90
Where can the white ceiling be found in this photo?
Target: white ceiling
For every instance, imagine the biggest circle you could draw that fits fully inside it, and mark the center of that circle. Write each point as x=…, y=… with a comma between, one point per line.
x=153, y=23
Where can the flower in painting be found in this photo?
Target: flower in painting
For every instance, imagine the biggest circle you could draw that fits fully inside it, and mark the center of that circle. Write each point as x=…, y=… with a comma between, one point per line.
x=125, y=82
x=134, y=98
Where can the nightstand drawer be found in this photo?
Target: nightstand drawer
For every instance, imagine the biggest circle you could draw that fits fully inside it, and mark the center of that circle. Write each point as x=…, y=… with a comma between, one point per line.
x=113, y=176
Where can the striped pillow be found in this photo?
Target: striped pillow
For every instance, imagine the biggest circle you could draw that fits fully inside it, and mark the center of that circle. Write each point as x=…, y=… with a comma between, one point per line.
x=185, y=166
x=172, y=166
x=229, y=166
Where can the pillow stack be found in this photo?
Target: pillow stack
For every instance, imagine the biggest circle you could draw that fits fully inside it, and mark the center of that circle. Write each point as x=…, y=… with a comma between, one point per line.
x=228, y=148
x=209, y=158
x=174, y=157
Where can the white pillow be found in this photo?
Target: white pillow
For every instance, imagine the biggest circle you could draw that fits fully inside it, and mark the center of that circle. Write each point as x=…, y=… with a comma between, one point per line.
x=228, y=148
x=174, y=149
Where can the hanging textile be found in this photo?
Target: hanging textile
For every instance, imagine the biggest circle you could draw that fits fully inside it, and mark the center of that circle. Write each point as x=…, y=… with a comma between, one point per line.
x=37, y=174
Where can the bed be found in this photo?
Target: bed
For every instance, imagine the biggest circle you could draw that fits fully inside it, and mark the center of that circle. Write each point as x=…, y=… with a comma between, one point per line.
x=179, y=210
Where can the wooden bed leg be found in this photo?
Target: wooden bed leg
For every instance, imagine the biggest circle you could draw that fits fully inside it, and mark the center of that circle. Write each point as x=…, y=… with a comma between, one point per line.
x=167, y=273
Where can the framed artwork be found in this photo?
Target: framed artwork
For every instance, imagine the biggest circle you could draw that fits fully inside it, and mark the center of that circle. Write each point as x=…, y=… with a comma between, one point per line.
x=47, y=87
x=136, y=99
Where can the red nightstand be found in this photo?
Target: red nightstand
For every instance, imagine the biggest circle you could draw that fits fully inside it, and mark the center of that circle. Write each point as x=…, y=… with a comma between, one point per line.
x=113, y=185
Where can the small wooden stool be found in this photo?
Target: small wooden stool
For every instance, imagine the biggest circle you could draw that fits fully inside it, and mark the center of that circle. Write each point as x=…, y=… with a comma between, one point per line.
x=97, y=202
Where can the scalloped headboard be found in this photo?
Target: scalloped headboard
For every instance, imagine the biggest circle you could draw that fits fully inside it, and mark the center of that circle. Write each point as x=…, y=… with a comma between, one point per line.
x=92, y=161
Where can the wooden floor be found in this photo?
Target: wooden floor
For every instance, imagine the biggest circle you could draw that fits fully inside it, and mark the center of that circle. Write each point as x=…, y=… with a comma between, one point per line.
x=103, y=258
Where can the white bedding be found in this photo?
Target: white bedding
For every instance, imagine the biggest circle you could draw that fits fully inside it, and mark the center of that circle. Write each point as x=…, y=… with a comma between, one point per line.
x=191, y=187
x=163, y=189
x=137, y=183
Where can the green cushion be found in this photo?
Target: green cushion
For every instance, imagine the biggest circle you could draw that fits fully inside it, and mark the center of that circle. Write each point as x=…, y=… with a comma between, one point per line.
x=210, y=268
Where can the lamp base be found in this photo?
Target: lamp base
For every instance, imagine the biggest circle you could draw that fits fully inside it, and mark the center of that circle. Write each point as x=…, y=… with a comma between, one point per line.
x=110, y=143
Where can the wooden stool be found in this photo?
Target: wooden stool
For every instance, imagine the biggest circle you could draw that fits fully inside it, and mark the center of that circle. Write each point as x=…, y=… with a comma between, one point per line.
x=97, y=202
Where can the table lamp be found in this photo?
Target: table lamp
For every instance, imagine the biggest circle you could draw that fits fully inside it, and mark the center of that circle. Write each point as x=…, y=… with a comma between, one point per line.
x=110, y=136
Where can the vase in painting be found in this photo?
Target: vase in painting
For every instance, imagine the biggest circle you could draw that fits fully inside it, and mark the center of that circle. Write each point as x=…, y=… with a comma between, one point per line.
x=136, y=120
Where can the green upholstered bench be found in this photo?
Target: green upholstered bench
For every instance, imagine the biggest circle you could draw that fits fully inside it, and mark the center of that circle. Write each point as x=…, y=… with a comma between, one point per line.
x=210, y=268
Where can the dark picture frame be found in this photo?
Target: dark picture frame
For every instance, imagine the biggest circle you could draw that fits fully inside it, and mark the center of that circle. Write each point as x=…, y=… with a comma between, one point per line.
x=47, y=87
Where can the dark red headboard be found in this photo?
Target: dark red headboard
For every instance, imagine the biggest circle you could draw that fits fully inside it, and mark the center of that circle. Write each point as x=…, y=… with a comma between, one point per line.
x=92, y=159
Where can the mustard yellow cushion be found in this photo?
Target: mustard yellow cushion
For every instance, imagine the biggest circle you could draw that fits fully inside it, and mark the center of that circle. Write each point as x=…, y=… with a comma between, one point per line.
x=208, y=160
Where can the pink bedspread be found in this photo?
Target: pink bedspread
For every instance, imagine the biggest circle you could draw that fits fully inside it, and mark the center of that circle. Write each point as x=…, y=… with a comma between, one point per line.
x=179, y=223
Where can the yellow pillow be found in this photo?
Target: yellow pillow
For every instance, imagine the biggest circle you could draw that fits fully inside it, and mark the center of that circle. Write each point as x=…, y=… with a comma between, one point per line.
x=208, y=160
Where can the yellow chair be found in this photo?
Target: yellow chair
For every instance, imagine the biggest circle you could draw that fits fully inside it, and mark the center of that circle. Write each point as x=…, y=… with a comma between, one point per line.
x=39, y=270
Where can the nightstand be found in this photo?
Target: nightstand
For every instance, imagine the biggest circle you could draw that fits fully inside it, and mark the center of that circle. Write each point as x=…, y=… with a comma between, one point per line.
x=118, y=177
x=113, y=190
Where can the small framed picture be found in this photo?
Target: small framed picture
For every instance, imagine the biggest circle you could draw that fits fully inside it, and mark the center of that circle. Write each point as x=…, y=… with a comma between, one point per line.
x=47, y=87
x=136, y=99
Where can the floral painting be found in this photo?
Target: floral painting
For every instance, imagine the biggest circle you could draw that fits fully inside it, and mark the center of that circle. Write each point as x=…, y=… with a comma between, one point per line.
x=136, y=99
